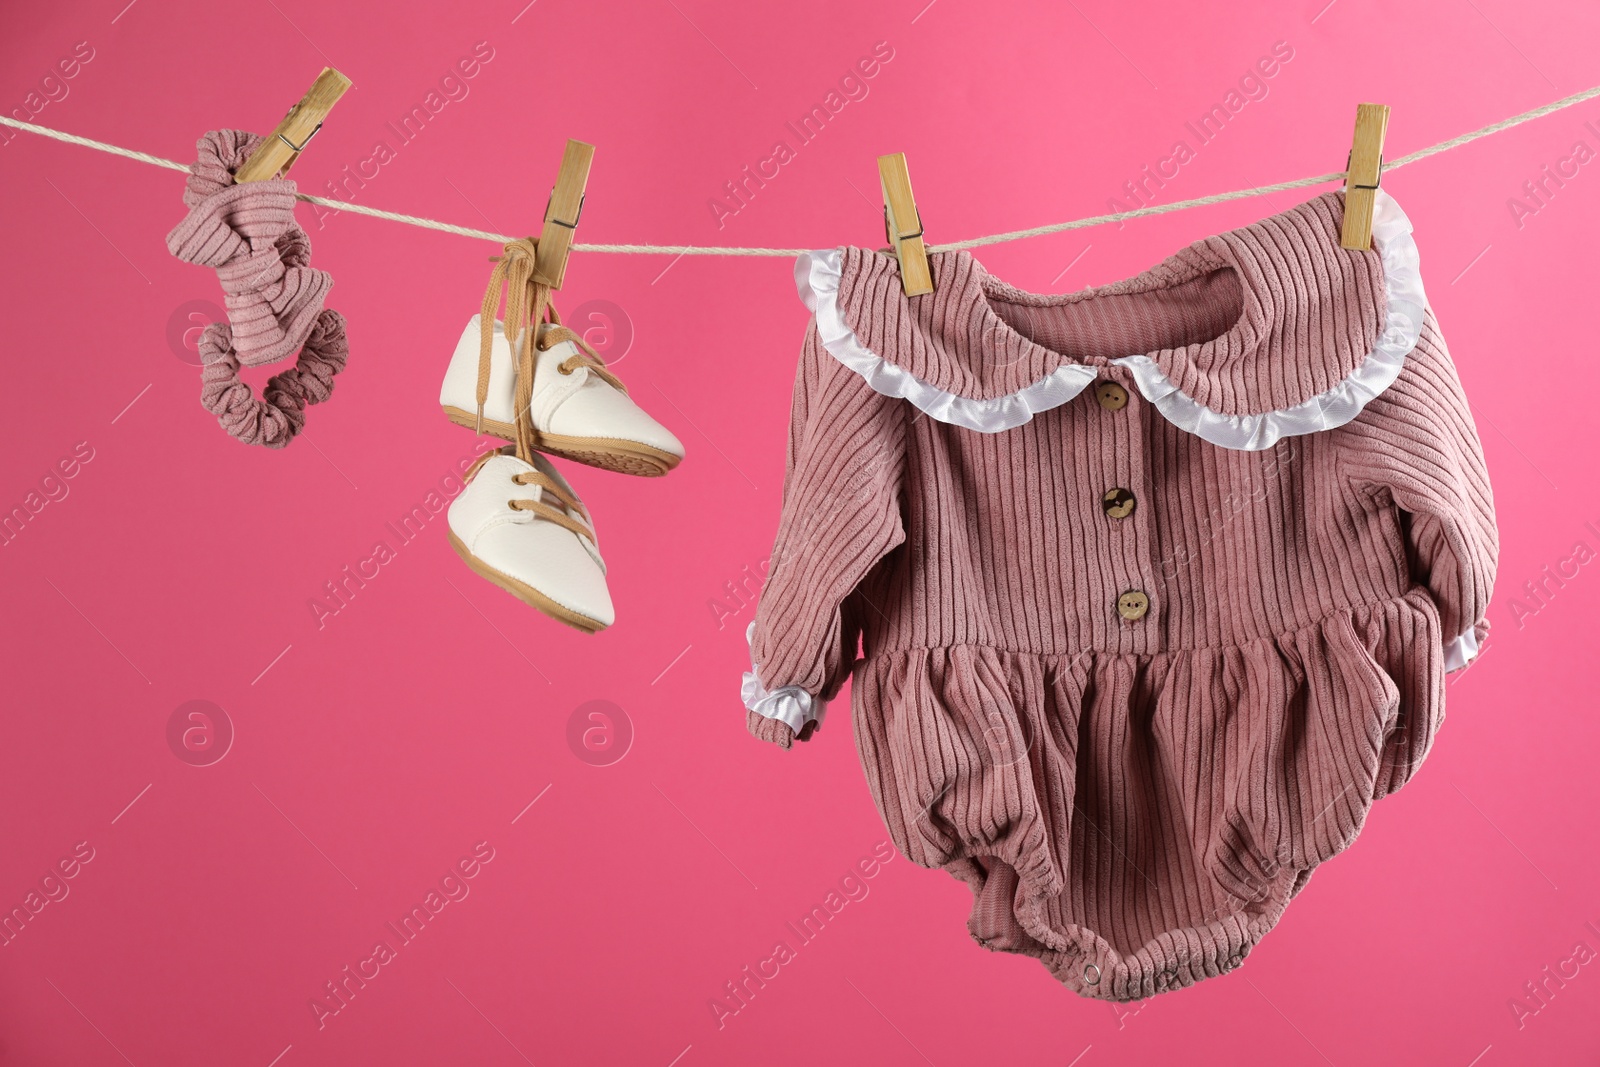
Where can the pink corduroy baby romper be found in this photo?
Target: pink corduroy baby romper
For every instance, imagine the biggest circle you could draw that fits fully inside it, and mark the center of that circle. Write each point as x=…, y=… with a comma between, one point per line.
x=1146, y=592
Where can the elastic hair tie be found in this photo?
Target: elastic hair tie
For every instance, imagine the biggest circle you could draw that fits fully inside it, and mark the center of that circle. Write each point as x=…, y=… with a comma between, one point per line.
x=273, y=296
x=274, y=419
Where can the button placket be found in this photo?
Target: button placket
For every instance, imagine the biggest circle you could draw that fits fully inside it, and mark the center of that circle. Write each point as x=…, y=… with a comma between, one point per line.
x=1132, y=602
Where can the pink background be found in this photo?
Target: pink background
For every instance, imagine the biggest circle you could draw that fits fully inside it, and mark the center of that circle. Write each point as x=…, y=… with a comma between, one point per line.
x=371, y=754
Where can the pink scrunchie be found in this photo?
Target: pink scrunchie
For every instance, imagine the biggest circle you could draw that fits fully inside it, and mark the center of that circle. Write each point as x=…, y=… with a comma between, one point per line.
x=273, y=297
x=280, y=413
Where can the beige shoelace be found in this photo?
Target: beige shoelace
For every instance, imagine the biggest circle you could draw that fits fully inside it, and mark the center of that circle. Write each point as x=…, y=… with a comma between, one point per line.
x=548, y=487
x=586, y=356
x=528, y=307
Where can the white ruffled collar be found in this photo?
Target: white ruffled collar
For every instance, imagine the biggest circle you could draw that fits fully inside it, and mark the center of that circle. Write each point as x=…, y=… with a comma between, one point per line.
x=1314, y=331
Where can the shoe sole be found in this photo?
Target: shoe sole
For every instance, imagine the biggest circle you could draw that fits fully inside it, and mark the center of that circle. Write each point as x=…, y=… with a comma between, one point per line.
x=523, y=591
x=607, y=453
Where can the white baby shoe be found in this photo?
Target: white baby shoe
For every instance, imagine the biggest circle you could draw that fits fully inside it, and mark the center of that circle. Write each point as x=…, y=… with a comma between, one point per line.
x=523, y=528
x=580, y=410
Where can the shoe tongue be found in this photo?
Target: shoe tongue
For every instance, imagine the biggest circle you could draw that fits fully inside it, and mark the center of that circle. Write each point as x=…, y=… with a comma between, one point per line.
x=538, y=492
x=546, y=468
x=532, y=490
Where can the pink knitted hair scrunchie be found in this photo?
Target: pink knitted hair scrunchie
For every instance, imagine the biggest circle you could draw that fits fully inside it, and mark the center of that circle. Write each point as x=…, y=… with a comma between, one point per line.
x=273, y=297
x=280, y=413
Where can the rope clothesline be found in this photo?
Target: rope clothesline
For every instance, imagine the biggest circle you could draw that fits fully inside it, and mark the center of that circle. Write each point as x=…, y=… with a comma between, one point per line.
x=975, y=242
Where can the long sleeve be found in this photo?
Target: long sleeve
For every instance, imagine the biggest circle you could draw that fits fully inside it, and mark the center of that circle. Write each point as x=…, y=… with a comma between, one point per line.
x=841, y=515
x=1417, y=443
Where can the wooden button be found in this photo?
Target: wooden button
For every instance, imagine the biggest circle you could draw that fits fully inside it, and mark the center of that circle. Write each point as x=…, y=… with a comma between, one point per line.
x=1118, y=503
x=1112, y=396
x=1132, y=605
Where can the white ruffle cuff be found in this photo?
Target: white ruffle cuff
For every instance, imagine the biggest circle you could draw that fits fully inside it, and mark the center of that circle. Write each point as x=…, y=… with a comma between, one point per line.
x=789, y=704
x=1460, y=652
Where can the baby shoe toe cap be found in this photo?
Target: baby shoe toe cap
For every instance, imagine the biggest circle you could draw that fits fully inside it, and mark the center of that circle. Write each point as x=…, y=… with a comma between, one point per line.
x=608, y=413
x=551, y=560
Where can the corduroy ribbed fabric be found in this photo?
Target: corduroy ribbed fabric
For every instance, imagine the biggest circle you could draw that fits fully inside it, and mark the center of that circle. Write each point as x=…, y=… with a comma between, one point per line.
x=1132, y=801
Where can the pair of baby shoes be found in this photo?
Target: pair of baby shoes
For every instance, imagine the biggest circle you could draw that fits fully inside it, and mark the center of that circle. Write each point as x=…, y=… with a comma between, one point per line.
x=518, y=522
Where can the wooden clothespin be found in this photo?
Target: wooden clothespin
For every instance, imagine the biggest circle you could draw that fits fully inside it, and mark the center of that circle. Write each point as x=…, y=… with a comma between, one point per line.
x=561, y=213
x=1364, y=173
x=274, y=156
x=904, y=224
